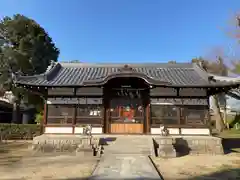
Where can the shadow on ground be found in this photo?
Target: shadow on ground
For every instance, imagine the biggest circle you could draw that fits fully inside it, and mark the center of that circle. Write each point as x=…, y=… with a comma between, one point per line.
x=181, y=146
x=106, y=141
x=228, y=174
x=229, y=144
x=98, y=178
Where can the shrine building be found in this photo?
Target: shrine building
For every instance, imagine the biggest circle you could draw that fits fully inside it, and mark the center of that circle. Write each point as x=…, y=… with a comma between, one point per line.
x=125, y=98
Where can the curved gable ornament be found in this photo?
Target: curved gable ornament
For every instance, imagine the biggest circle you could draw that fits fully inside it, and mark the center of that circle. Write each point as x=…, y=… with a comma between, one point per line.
x=126, y=68
x=125, y=72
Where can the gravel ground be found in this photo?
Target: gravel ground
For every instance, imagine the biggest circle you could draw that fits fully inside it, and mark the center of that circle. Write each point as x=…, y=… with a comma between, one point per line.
x=202, y=167
x=17, y=162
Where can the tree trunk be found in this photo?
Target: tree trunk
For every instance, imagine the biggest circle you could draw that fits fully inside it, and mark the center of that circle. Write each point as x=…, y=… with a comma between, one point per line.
x=225, y=118
x=225, y=112
x=220, y=126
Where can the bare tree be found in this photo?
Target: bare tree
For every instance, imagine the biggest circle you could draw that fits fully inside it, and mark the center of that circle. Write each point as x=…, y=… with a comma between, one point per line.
x=216, y=67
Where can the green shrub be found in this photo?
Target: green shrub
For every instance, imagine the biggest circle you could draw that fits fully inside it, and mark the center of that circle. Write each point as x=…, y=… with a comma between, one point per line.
x=234, y=121
x=19, y=131
x=39, y=118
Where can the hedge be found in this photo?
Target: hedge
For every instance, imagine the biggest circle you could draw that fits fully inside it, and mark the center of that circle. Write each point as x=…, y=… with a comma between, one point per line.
x=19, y=131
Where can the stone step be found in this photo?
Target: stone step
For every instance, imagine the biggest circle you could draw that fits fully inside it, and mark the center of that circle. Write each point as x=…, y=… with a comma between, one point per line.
x=130, y=145
x=127, y=150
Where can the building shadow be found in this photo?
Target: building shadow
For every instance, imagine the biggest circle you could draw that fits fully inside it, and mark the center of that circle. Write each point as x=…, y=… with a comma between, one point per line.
x=106, y=141
x=155, y=147
x=117, y=178
x=230, y=174
x=181, y=146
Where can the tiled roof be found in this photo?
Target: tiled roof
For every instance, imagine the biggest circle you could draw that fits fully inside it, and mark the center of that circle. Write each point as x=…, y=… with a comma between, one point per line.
x=76, y=74
x=235, y=93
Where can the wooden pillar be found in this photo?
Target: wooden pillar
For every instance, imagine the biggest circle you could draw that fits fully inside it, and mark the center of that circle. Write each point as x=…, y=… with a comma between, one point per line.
x=106, y=98
x=45, y=113
x=181, y=115
x=106, y=116
x=148, y=122
x=44, y=122
x=208, y=121
x=74, y=118
x=106, y=119
x=74, y=112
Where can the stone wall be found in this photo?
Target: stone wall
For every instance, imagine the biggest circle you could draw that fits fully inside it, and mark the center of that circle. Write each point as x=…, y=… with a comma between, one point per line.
x=63, y=143
x=169, y=146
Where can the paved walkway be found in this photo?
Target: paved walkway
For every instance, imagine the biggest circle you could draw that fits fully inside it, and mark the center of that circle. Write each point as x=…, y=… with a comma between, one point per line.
x=125, y=167
x=127, y=158
x=141, y=145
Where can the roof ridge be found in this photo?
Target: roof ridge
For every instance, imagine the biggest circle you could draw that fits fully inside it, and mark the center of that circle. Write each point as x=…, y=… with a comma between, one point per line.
x=161, y=65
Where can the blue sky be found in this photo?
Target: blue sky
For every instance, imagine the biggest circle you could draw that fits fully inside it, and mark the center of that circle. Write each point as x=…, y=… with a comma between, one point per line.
x=131, y=30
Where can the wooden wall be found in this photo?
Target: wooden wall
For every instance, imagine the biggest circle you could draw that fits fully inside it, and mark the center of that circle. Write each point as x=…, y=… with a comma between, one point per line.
x=79, y=100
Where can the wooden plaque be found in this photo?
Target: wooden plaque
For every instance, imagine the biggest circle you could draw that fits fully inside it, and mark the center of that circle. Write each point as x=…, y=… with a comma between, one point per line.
x=161, y=91
x=192, y=92
x=89, y=91
x=61, y=91
x=178, y=101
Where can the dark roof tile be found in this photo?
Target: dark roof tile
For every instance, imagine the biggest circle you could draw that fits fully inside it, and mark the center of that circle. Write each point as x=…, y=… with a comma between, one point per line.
x=75, y=74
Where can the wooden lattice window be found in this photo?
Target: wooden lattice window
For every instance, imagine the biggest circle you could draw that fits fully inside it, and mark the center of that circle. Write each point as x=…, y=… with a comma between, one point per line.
x=60, y=114
x=164, y=114
x=195, y=115
x=89, y=114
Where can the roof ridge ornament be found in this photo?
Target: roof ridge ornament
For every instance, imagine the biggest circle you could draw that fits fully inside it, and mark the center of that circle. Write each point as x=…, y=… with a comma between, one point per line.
x=126, y=68
x=51, y=65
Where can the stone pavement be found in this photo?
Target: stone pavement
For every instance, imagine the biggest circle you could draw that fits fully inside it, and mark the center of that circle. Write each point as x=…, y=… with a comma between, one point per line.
x=125, y=167
x=141, y=145
x=127, y=158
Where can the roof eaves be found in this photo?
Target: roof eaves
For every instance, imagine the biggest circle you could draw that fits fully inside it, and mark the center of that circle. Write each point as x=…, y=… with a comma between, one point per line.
x=48, y=75
x=209, y=85
x=225, y=78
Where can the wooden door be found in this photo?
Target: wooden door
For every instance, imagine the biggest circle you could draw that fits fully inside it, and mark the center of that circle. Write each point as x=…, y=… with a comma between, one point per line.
x=125, y=118
x=127, y=128
x=119, y=124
